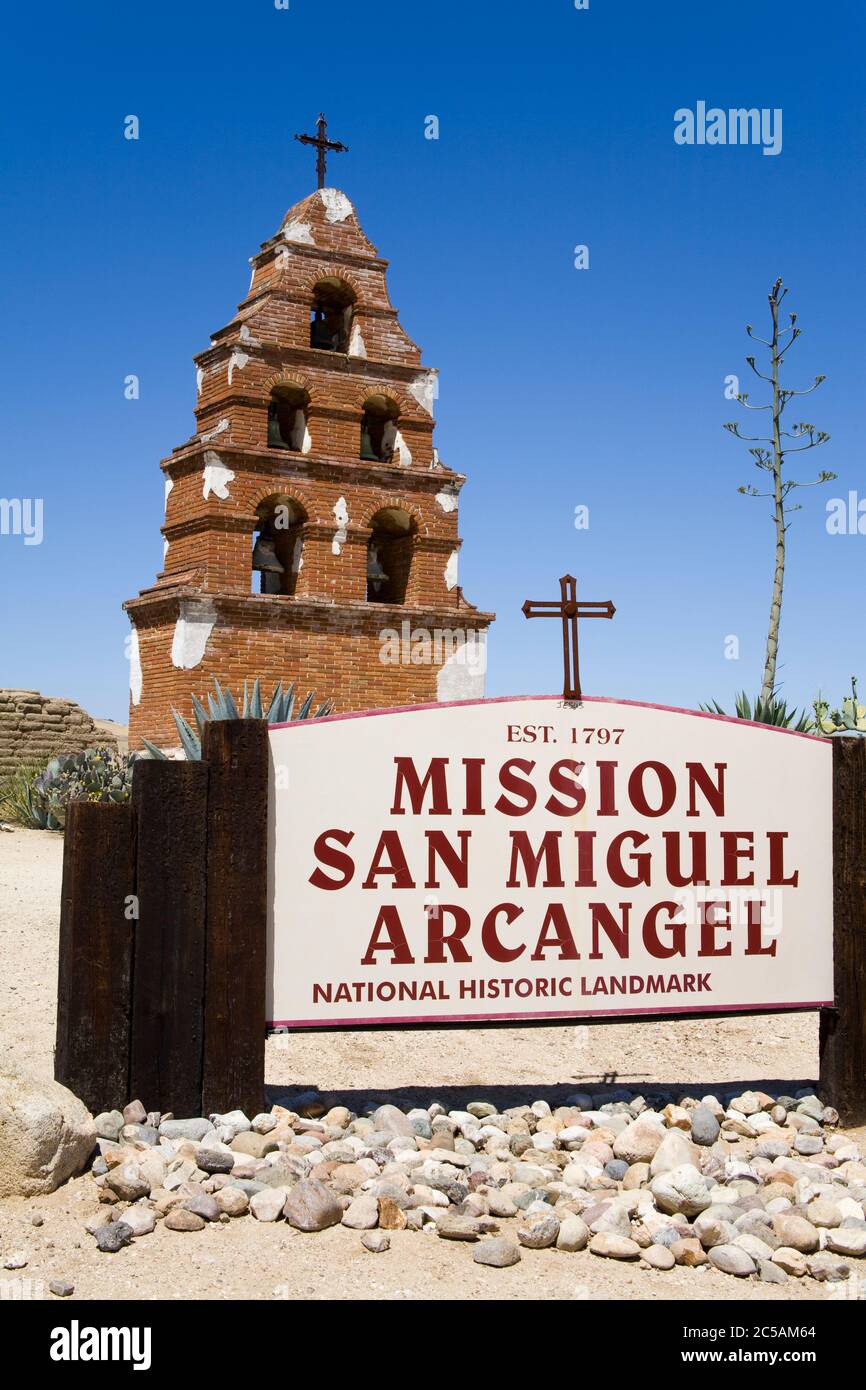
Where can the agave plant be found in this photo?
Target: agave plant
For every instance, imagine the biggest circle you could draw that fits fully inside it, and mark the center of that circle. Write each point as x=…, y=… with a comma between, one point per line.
x=850, y=719
x=39, y=797
x=221, y=705
x=774, y=711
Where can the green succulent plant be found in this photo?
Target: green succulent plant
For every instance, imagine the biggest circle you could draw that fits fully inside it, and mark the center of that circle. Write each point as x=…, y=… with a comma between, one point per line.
x=221, y=705
x=39, y=797
x=774, y=711
x=850, y=719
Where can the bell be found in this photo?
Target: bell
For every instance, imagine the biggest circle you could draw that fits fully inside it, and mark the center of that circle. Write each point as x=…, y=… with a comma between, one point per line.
x=367, y=450
x=320, y=334
x=265, y=556
x=275, y=438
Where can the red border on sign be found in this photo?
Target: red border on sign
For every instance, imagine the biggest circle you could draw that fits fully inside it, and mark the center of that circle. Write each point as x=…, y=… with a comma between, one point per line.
x=613, y=1015
x=586, y=699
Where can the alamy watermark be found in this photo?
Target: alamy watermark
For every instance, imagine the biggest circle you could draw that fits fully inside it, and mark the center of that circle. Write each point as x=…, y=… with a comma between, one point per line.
x=737, y=126
x=22, y=516
x=422, y=646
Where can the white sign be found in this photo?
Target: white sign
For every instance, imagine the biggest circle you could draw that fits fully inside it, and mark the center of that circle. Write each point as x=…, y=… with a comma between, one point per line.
x=527, y=858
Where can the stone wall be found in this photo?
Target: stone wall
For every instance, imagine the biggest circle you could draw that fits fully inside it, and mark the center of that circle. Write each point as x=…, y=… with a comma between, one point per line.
x=34, y=727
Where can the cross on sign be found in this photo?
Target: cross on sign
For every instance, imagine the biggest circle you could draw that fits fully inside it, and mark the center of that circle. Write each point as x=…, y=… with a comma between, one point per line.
x=322, y=145
x=569, y=608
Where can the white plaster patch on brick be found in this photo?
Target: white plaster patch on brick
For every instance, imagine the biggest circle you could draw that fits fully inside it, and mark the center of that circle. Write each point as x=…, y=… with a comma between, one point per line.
x=296, y=230
x=169, y=484
x=238, y=359
x=219, y=429
x=199, y=379
x=307, y=441
x=247, y=337
x=401, y=449
x=447, y=499
x=463, y=675
x=451, y=570
x=216, y=477
x=341, y=516
x=164, y=552
x=337, y=205
x=136, y=679
x=297, y=557
x=252, y=272
x=194, y=626
x=357, y=346
x=435, y=463
x=423, y=388
x=393, y=444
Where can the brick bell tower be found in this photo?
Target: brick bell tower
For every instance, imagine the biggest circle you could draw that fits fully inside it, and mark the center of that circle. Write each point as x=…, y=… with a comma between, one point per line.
x=310, y=527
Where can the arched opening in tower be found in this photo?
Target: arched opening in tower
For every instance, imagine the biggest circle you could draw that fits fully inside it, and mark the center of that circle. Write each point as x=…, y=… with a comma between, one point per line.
x=331, y=315
x=278, y=542
x=287, y=419
x=389, y=555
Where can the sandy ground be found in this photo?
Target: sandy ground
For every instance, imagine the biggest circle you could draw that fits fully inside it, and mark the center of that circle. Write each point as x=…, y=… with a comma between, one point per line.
x=508, y=1065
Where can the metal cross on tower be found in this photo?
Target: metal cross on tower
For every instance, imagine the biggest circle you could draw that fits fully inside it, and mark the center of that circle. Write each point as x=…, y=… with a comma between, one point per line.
x=322, y=145
x=569, y=608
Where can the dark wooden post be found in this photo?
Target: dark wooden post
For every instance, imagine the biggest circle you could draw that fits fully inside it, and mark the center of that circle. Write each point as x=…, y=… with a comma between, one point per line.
x=96, y=940
x=236, y=958
x=843, y=1029
x=170, y=800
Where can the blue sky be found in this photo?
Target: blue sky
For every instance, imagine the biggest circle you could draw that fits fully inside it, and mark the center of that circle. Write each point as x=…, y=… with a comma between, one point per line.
x=559, y=388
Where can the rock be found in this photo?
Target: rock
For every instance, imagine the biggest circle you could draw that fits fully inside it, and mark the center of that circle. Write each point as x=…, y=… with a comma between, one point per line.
x=235, y=1121
x=500, y=1205
x=713, y=1230
x=362, y=1214
x=311, y=1207
x=134, y=1113
x=195, y=1129
x=391, y=1121
x=126, y=1180
x=214, y=1160
x=823, y=1212
x=61, y=1288
x=108, y=1124
x=268, y=1204
x=498, y=1252
x=458, y=1228
x=705, y=1126
x=791, y=1261
x=573, y=1234
x=658, y=1257
x=139, y=1134
x=232, y=1201
x=46, y=1135
x=754, y=1246
x=847, y=1241
x=808, y=1144
x=797, y=1233
x=770, y=1273
x=539, y=1234
x=140, y=1219
x=179, y=1219
x=614, y=1247
x=688, y=1252
x=204, y=1205
x=732, y=1259
x=681, y=1190
x=376, y=1242
x=391, y=1215
x=638, y=1142
x=110, y=1239
x=256, y=1145
x=675, y=1151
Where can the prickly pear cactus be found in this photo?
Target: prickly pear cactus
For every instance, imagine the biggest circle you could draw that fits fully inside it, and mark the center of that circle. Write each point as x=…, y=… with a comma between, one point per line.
x=850, y=719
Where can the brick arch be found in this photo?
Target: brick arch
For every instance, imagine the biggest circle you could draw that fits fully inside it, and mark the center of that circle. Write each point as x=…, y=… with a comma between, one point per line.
x=288, y=378
x=276, y=489
x=308, y=284
x=415, y=515
x=379, y=388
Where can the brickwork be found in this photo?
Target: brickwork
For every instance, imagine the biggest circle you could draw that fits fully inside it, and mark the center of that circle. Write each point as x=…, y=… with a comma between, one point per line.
x=34, y=727
x=202, y=617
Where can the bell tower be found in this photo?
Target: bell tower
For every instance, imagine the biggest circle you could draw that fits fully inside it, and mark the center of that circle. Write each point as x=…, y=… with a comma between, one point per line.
x=310, y=527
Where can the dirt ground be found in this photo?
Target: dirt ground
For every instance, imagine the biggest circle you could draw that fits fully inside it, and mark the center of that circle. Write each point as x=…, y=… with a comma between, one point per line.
x=248, y=1260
